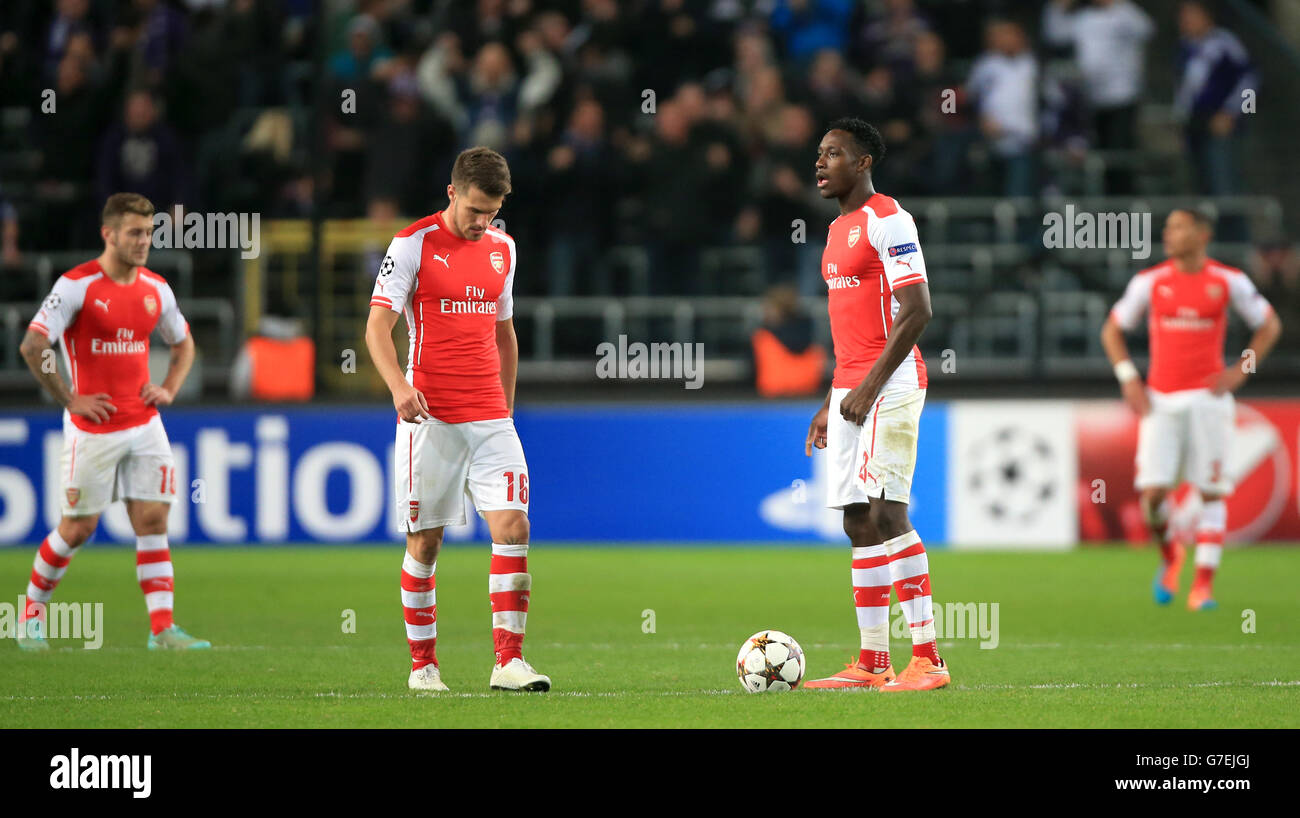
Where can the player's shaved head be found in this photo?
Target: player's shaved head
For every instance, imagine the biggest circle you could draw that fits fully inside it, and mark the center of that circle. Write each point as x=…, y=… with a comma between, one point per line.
x=866, y=139
x=846, y=156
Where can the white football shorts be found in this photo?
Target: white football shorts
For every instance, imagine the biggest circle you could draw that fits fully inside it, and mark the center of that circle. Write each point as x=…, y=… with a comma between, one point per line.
x=129, y=464
x=1186, y=437
x=436, y=464
x=876, y=459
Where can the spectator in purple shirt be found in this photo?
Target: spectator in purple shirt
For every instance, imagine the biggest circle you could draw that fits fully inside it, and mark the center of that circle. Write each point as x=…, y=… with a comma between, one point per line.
x=142, y=155
x=1215, y=72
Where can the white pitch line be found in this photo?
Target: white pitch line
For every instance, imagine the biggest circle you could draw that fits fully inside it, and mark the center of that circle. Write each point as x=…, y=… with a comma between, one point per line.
x=578, y=694
x=676, y=646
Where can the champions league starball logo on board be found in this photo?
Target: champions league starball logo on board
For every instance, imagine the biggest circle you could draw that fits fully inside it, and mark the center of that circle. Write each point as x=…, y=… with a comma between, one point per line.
x=1011, y=474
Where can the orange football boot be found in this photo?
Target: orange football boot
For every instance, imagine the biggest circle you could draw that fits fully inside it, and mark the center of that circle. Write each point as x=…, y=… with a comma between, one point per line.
x=853, y=675
x=1201, y=599
x=1166, y=582
x=920, y=674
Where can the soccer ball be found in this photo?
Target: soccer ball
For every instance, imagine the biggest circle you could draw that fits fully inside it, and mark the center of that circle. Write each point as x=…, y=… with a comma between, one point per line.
x=770, y=660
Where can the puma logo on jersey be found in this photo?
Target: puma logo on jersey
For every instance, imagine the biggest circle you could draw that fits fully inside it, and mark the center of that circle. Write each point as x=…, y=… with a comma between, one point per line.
x=104, y=303
x=443, y=258
x=919, y=586
x=905, y=262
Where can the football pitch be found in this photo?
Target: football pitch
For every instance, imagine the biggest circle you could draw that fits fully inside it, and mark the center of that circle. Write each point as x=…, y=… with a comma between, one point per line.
x=647, y=637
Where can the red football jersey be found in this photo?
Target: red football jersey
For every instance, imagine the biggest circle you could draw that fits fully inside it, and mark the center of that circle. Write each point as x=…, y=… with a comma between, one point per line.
x=1188, y=319
x=452, y=291
x=105, y=328
x=871, y=253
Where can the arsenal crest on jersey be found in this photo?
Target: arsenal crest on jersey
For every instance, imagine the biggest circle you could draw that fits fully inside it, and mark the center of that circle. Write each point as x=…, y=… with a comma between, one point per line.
x=498, y=262
x=73, y=496
x=1214, y=291
x=415, y=511
x=854, y=234
x=150, y=304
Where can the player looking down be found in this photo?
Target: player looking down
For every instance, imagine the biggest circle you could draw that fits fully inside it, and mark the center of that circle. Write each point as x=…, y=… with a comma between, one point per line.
x=451, y=276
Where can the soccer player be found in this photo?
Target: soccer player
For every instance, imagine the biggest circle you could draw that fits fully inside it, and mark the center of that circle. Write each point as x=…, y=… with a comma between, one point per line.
x=879, y=303
x=1187, y=406
x=114, y=444
x=451, y=275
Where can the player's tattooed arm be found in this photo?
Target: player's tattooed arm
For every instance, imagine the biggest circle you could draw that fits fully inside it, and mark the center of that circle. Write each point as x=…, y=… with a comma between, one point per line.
x=508, y=347
x=182, y=358
x=407, y=400
x=39, y=355
x=914, y=314
x=1134, y=391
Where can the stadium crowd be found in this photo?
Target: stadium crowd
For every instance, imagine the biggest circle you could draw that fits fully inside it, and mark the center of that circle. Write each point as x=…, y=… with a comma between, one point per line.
x=672, y=124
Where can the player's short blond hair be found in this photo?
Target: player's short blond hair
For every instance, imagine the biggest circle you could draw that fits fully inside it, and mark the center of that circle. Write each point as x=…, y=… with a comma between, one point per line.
x=119, y=204
x=482, y=168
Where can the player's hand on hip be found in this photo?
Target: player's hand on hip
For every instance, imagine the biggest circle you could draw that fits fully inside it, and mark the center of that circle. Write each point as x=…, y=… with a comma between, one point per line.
x=857, y=404
x=98, y=407
x=411, y=405
x=1229, y=380
x=1135, y=395
x=154, y=395
x=817, y=431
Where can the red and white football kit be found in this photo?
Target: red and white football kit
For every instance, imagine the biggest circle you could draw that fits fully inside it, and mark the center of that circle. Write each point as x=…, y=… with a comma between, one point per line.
x=1187, y=433
x=104, y=328
x=871, y=253
x=453, y=291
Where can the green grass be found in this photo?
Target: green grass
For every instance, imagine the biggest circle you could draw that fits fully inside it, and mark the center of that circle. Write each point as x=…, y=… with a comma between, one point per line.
x=1081, y=643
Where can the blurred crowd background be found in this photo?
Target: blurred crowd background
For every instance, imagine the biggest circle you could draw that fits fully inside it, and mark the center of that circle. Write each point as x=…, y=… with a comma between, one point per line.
x=683, y=129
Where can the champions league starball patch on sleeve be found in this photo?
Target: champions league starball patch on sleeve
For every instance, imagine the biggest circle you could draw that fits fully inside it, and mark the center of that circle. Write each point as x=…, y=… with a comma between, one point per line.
x=902, y=249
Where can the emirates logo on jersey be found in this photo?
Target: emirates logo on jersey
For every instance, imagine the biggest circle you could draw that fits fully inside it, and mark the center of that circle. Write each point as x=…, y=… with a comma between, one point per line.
x=150, y=305
x=498, y=262
x=855, y=234
x=73, y=496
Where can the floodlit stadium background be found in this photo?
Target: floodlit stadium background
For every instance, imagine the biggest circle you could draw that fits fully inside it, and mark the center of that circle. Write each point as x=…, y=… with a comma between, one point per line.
x=662, y=158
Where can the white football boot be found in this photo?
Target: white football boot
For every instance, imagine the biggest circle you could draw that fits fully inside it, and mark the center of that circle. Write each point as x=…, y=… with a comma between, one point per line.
x=427, y=678
x=32, y=636
x=518, y=675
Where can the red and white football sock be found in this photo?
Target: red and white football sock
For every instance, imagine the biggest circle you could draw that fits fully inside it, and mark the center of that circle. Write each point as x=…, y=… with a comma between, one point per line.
x=153, y=570
x=909, y=568
x=1157, y=519
x=871, y=600
x=420, y=606
x=51, y=563
x=1209, y=542
x=509, y=584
